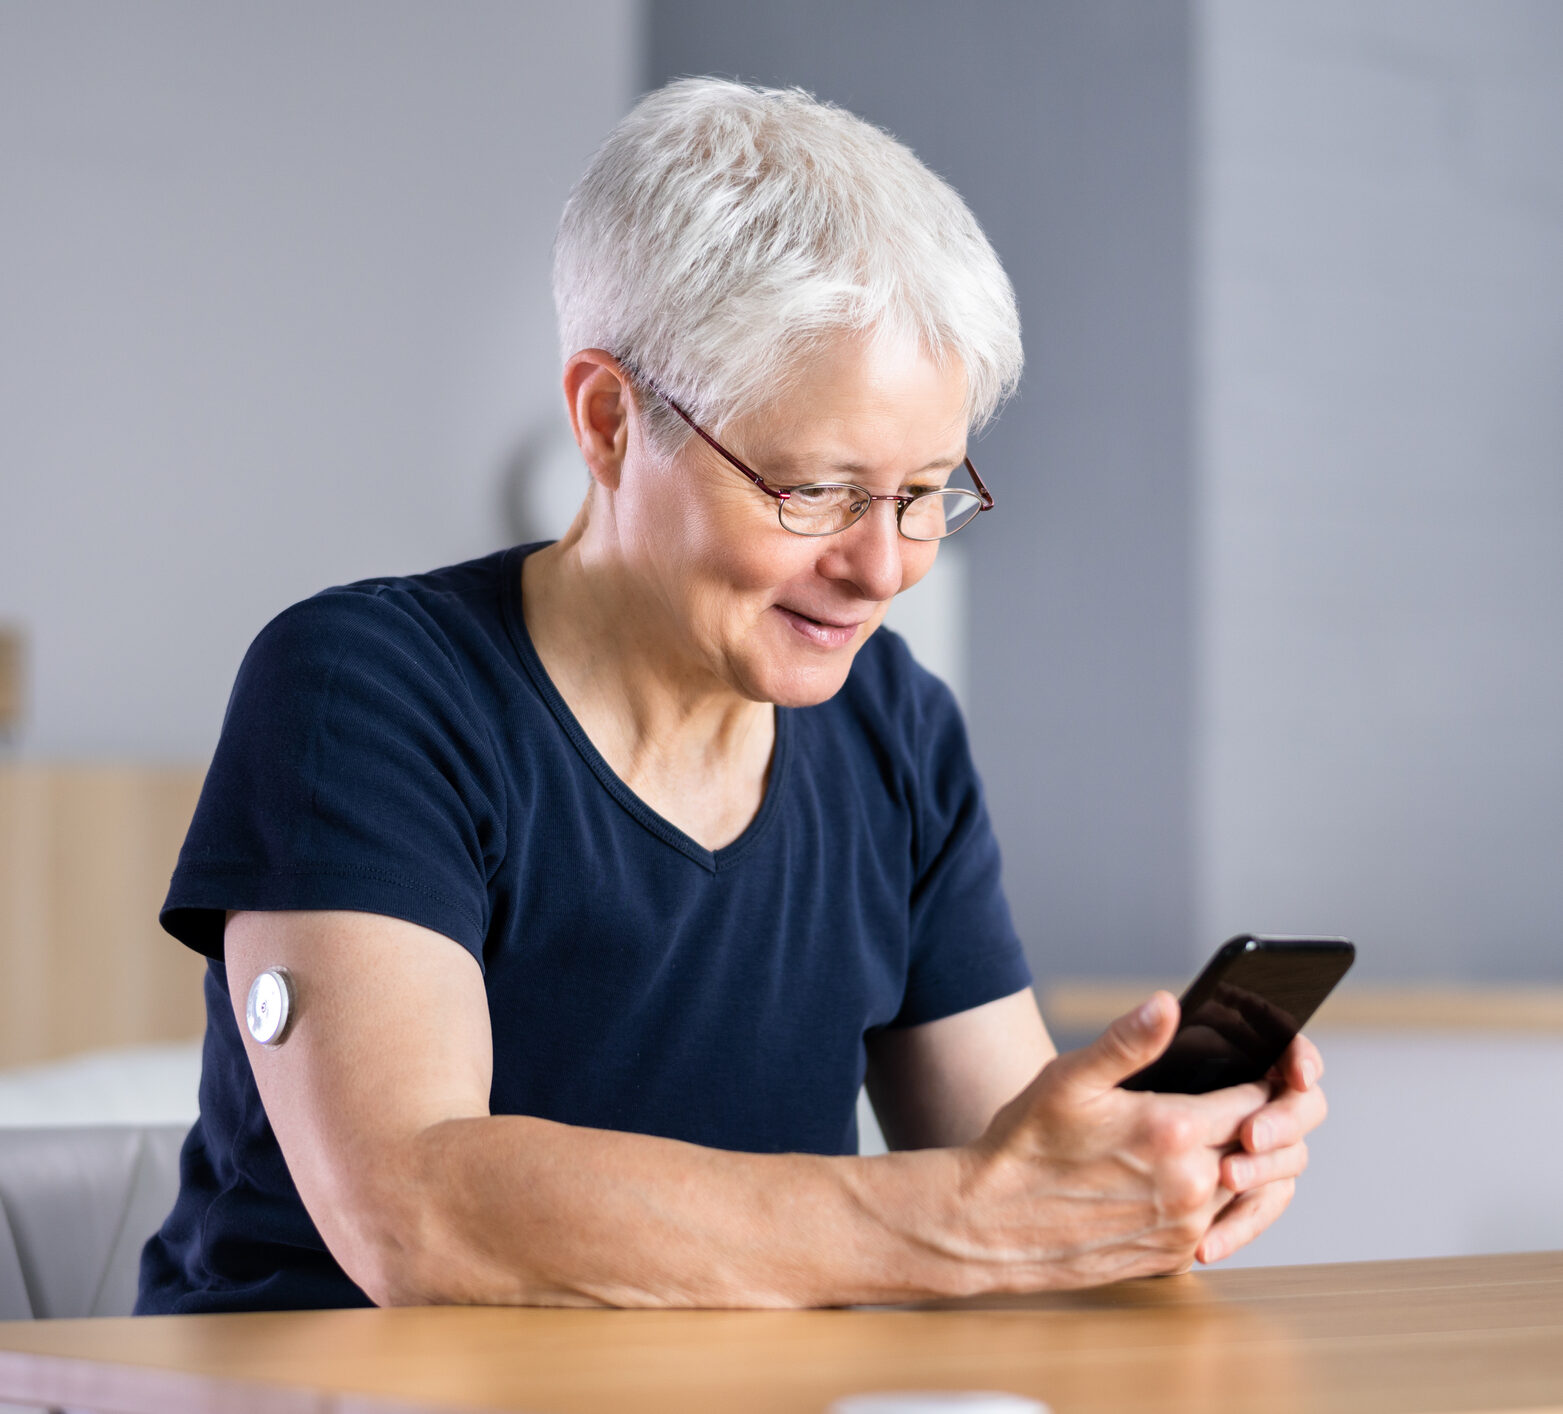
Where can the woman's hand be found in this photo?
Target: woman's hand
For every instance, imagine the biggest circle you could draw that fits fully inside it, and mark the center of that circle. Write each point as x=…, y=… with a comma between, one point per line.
x=1262, y=1173
x=1078, y=1182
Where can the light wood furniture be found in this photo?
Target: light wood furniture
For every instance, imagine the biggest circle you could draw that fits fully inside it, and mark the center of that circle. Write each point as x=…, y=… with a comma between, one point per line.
x=11, y=673
x=86, y=852
x=1085, y=1005
x=1459, y=1334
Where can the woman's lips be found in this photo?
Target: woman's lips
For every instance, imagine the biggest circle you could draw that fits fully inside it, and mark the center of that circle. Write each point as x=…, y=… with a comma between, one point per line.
x=826, y=635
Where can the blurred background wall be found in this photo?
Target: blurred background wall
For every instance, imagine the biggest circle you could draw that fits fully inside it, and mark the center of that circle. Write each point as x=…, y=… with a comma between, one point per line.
x=274, y=283
x=1268, y=630
x=1379, y=286
x=1068, y=128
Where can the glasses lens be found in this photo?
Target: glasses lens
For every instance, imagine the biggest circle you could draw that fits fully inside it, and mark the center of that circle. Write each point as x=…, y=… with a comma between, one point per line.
x=823, y=509
x=939, y=513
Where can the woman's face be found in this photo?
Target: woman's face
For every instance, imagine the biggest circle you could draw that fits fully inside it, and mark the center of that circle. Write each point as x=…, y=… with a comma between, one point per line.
x=778, y=617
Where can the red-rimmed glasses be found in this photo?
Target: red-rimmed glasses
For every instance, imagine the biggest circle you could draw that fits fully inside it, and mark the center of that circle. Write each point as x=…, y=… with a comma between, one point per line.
x=827, y=507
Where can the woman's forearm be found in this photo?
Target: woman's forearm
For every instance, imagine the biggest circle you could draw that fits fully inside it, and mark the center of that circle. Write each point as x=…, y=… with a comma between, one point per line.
x=517, y=1210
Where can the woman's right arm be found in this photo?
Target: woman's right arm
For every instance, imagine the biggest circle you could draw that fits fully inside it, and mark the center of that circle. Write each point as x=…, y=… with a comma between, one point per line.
x=379, y=1100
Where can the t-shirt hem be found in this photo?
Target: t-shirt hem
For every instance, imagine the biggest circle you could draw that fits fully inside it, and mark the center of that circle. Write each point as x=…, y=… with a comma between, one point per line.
x=200, y=897
x=997, y=975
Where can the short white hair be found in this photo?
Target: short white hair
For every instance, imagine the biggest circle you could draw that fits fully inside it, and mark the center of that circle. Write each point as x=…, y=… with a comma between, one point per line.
x=722, y=233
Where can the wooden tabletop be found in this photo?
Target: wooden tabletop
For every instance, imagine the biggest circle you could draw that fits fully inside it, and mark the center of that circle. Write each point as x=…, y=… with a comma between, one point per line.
x=1457, y=1334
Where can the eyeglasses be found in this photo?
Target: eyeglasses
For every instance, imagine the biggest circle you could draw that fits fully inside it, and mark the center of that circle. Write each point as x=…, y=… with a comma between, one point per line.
x=827, y=507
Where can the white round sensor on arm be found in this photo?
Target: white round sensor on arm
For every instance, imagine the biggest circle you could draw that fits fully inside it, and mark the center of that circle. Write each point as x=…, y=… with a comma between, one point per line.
x=269, y=1006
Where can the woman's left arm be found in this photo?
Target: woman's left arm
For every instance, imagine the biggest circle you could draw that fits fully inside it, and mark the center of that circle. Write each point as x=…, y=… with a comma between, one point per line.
x=940, y=1084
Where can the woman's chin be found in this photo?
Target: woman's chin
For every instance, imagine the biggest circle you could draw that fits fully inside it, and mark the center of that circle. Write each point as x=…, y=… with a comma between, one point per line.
x=803, y=680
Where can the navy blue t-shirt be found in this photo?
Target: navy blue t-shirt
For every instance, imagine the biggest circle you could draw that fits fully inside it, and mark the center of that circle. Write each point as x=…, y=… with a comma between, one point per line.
x=395, y=747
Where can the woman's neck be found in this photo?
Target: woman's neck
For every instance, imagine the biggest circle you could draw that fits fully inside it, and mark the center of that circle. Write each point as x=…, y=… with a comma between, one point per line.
x=688, y=744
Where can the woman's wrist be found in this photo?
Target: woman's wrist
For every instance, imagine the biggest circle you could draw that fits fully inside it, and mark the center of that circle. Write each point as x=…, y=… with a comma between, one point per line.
x=920, y=1243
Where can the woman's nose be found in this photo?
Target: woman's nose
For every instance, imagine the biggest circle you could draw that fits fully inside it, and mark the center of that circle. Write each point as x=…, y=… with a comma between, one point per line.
x=868, y=553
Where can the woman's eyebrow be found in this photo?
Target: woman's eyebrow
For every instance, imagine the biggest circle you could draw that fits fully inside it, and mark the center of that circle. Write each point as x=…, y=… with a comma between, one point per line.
x=789, y=461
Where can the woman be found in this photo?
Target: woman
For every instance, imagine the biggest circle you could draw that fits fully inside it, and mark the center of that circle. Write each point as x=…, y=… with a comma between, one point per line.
x=606, y=870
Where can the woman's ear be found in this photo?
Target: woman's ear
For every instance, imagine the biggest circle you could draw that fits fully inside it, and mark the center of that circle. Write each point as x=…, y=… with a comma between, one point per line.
x=598, y=396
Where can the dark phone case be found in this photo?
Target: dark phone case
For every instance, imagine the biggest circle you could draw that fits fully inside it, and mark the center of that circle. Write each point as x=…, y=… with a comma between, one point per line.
x=1240, y=1014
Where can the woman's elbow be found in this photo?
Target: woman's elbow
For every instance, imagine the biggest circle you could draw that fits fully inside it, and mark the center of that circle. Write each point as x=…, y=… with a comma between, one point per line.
x=401, y=1232
x=378, y=1240
x=383, y=1228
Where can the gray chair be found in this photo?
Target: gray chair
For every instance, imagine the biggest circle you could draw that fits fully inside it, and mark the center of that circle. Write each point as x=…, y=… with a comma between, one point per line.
x=76, y=1206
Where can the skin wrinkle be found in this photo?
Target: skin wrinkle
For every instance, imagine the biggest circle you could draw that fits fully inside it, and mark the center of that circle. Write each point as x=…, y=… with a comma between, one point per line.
x=1157, y=1236
x=1061, y=1251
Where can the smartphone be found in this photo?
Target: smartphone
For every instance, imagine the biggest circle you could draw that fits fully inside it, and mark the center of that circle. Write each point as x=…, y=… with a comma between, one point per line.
x=1241, y=1012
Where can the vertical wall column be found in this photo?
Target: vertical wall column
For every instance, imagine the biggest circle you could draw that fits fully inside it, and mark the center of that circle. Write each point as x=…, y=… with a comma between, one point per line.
x=1381, y=529
x=1066, y=125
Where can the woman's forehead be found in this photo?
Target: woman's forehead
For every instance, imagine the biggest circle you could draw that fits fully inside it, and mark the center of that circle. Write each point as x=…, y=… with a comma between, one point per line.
x=860, y=405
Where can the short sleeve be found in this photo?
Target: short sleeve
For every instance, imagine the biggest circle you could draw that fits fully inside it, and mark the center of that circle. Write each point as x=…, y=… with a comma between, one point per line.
x=352, y=772
x=964, y=948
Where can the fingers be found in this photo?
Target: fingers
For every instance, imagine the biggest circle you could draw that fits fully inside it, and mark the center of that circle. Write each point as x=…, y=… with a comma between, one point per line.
x=1286, y=1120
x=1242, y=1172
x=1131, y=1043
x=1302, y=1065
x=1244, y=1219
x=1221, y=1116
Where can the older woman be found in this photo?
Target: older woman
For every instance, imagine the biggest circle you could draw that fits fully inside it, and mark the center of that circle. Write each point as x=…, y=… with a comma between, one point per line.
x=606, y=870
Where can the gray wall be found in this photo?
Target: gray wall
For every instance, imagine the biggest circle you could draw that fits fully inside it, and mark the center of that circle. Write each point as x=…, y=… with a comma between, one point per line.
x=1066, y=126
x=1380, y=289
x=1266, y=632
x=274, y=283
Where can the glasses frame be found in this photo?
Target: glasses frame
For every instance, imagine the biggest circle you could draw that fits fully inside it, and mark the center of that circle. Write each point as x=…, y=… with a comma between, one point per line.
x=781, y=497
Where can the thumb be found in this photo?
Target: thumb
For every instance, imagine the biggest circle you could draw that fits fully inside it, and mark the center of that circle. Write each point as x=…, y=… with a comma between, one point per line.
x=1131, y=1042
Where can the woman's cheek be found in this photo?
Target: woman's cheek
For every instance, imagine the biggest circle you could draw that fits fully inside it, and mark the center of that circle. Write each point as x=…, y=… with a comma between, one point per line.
x=916, y=560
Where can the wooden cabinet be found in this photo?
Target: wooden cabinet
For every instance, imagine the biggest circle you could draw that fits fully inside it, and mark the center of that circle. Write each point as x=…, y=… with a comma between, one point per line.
x=86, y=852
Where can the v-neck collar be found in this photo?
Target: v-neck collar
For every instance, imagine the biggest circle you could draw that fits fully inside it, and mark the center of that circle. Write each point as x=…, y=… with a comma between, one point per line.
x=663, y=829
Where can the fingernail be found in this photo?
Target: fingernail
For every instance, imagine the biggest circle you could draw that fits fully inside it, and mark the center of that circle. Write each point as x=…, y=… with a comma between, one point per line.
x=1262, y=1133
x=1145, y=1017
x=1242, y=1171
x=1309, y=1074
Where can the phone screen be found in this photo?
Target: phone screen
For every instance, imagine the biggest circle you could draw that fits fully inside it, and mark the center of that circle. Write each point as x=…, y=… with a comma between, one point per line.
x=1243, y=1010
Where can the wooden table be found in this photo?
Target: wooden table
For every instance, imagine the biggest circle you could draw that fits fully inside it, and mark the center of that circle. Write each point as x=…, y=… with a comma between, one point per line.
x=1458, y=1334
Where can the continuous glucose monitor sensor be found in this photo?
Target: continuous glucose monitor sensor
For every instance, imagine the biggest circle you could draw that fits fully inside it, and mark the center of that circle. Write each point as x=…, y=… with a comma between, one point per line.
x=269, y=1005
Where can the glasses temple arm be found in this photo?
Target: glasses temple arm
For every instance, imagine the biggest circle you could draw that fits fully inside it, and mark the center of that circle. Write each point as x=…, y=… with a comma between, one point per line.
x=711, y=441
